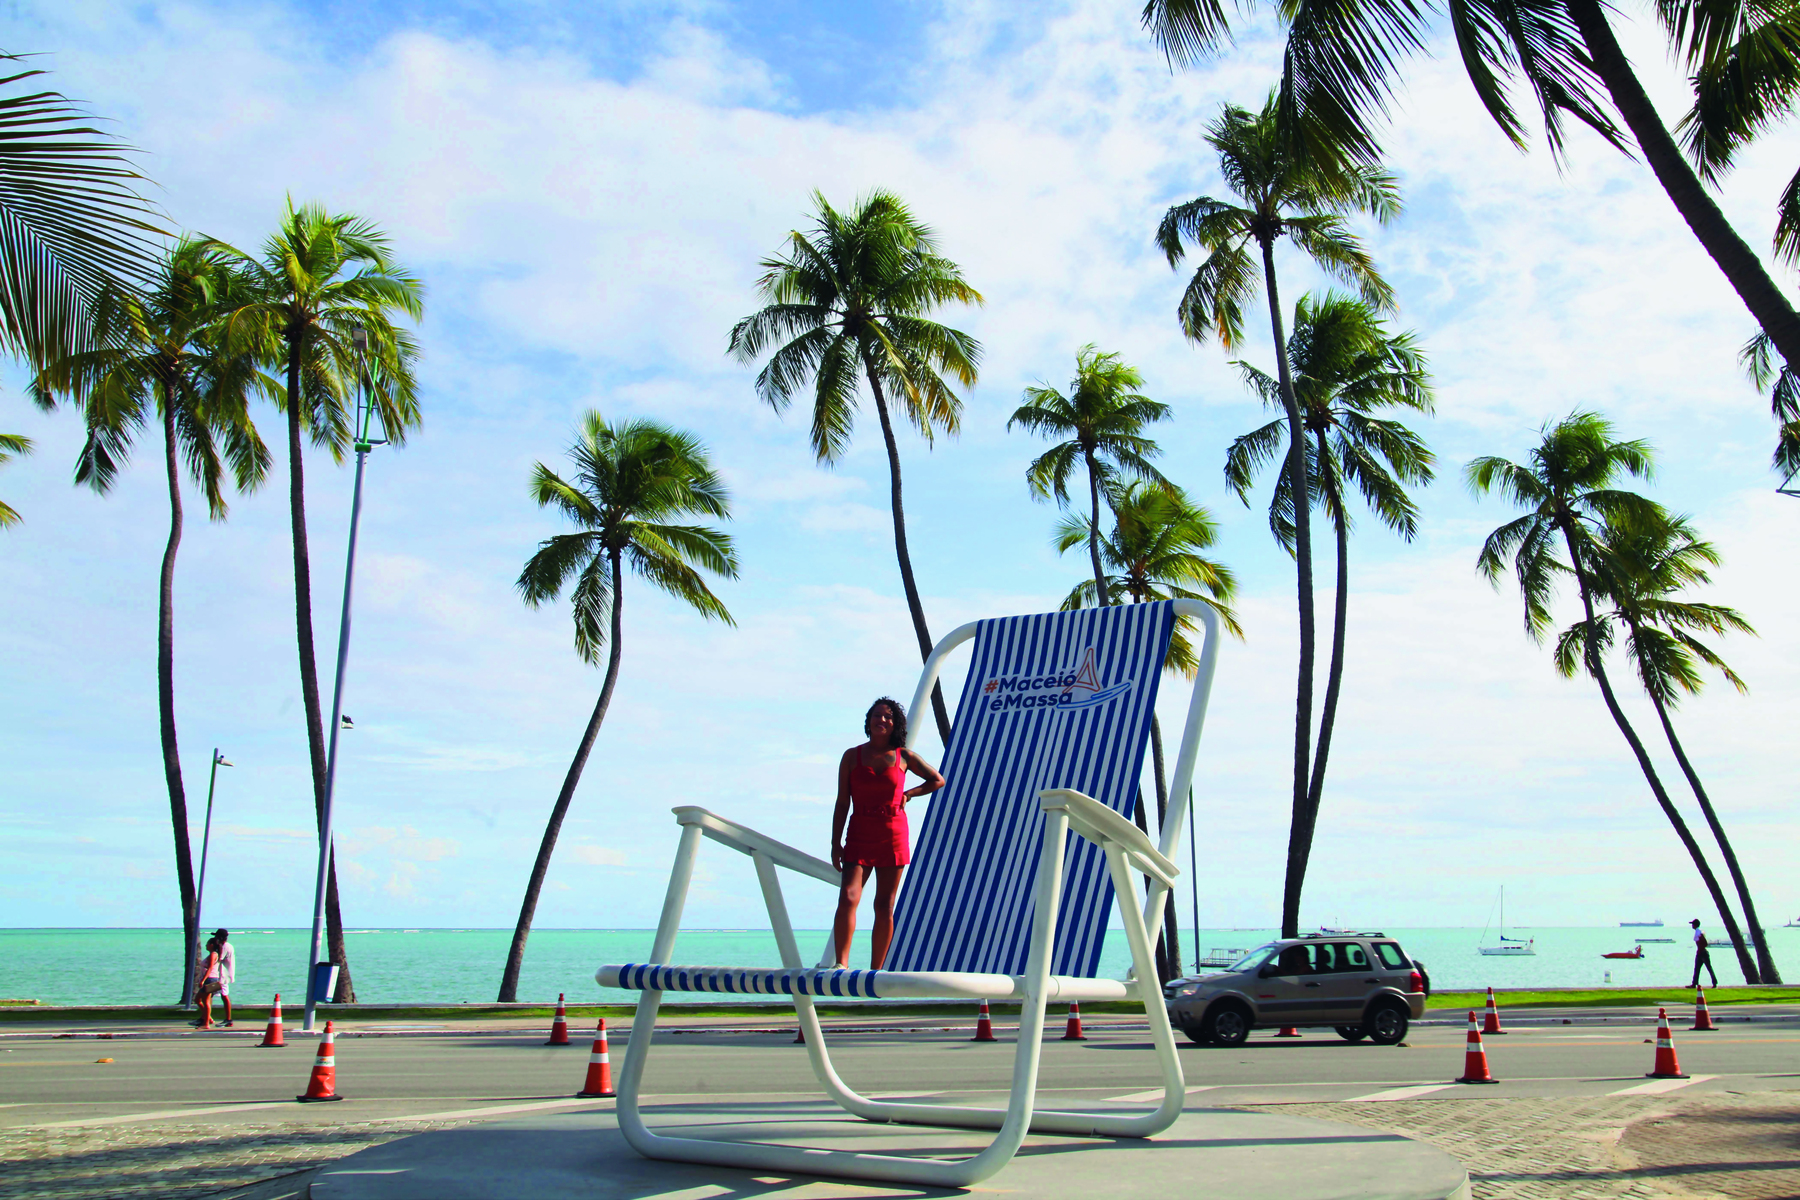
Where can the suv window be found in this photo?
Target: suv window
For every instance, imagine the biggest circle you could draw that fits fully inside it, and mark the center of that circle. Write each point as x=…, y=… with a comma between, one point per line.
x=1344, y=956
x=1391, y=957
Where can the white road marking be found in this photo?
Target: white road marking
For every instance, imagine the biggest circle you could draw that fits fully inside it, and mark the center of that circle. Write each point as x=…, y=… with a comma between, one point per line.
x=1146, y=1097
x=159, y=1116
x=1400, y=1093
x=458, y=1114
x=1661, y=1085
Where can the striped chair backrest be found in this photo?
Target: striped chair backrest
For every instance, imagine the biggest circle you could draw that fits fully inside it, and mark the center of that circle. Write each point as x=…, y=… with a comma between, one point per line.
x=1056, y=700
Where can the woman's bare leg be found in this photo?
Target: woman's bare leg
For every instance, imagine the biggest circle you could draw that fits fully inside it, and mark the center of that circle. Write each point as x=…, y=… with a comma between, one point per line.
x=887, y=885
x=843, y=926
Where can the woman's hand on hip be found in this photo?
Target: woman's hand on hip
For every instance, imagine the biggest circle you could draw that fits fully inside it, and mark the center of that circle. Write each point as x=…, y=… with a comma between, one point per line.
x=837, y=858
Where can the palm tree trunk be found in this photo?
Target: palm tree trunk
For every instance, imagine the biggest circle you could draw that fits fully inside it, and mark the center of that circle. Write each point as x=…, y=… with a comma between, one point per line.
x=906, y=572
x=1598, y=669
x=1765, y=962
x=1745, y=271
x=165, y=704
x=1300, y=825
x=309, y=668
x=1164, y=964
x=1101, y=594
x=1171, y=930
x=1334, y=679
x=515, y=956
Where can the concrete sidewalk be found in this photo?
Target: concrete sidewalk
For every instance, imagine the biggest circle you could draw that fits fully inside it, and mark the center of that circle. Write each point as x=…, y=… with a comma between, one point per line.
x=1640, y=1147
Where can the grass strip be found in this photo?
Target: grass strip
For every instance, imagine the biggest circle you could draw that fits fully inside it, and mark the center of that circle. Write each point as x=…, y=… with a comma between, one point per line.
x=1614, y=998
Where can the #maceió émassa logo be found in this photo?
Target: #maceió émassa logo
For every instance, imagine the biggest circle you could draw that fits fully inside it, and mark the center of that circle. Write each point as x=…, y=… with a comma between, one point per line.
x=1061, y=691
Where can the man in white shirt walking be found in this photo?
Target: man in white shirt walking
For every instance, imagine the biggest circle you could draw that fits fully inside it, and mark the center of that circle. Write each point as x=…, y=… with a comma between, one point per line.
x=227, y=969
x=1701, y=959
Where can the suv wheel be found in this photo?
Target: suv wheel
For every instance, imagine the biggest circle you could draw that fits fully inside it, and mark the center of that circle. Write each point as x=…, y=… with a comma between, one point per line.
x=1352, y=1033
x=1386, y=1024
x=1196, y=1034
x=1225, y=1025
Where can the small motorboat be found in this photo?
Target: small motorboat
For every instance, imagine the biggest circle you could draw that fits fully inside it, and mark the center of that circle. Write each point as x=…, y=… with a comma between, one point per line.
x=1223, y=956
x=1634, y=952
x=1642, y=941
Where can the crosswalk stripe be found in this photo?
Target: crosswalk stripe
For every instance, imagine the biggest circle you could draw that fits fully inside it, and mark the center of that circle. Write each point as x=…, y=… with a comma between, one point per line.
x=458, y=1114
x=1146, y=1097
x=1661, y=1085
x=161, y=1115
x=1400, y=1093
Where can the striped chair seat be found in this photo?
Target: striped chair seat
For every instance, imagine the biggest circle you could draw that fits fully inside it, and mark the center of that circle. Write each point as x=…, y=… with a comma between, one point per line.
x=852, y=984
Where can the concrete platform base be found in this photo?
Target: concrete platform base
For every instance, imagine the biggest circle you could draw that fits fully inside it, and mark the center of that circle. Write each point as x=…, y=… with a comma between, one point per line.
x=583, y=1155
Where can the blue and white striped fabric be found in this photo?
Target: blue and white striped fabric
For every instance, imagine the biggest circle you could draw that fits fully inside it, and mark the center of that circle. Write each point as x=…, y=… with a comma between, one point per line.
x=1061, y=700
x=805, y=981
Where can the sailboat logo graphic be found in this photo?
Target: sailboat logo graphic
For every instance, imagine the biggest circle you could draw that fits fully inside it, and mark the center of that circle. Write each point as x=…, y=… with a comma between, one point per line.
x=1059, y=690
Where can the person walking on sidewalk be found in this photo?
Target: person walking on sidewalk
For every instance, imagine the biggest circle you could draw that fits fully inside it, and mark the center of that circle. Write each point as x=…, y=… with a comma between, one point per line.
x=1701, y=957
x=227, y=970
x=209, y=984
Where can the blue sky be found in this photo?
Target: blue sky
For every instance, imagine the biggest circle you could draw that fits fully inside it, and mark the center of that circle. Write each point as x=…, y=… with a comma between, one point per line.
x=586, y=195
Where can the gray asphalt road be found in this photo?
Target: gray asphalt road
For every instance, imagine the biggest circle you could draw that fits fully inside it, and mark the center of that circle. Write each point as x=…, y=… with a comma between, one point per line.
x=49, y=1081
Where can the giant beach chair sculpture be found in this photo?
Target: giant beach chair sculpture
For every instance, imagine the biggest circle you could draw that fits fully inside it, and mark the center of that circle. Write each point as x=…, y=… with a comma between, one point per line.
x=1000, y=902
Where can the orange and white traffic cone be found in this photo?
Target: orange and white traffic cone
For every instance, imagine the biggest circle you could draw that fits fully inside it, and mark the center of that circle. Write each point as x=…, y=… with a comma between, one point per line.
x=1475, y=1068
x=984, y=1026
x=272, y=1035
x=599, y=1073
x=1667, y=1065
x=323, y=1084
x=1288, y=1031
x=1072, y=1031
x=1703, y=1022
x=1490, y=1024
x=559, y=1026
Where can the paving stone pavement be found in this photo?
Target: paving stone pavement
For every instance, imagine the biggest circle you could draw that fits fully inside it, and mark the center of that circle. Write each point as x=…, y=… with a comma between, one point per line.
x=171, y=1161
x=1721, y=1146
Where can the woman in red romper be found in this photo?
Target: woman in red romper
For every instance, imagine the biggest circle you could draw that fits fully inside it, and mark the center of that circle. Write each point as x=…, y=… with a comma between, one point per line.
x=872, y=794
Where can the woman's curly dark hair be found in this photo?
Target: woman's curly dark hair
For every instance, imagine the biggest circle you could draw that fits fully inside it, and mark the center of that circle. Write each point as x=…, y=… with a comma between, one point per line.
x=897, y=738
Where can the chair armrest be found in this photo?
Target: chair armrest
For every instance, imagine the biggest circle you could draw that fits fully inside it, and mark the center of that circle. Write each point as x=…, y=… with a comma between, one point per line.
x=748, y=841
x=1094, y=821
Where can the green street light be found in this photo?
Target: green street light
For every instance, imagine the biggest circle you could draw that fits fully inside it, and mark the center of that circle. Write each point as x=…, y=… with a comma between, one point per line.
x=212, y=782
x=363, y=443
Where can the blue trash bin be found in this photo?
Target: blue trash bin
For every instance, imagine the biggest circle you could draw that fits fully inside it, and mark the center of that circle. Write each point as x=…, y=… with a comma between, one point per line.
x=324, y=982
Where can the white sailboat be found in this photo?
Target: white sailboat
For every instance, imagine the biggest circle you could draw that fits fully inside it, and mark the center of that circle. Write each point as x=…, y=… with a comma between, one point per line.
x=1508, y=947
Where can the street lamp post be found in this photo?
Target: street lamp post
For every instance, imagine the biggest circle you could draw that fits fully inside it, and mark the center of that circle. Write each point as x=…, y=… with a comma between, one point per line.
x=362, y=445
x=187, y=986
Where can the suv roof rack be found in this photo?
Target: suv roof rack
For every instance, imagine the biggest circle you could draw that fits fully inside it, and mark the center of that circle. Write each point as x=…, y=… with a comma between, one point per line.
x=1358, y=933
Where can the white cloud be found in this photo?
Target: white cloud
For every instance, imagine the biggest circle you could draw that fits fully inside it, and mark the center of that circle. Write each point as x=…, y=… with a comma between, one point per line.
x=588, y=240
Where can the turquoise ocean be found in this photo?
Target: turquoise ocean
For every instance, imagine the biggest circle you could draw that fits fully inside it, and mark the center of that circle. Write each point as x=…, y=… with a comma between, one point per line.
x=399, y=966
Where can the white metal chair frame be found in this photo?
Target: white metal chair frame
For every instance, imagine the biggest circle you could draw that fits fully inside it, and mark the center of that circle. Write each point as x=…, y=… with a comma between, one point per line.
x=1127, y=850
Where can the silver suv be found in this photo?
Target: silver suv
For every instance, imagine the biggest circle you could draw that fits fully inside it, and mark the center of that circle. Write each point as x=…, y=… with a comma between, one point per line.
x=1362, y=984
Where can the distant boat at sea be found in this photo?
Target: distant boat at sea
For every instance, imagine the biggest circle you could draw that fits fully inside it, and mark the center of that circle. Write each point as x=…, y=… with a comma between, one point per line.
x=1634, y=952
x=1640, y=924
x=1223, y=956
x=1508, y=947
x=1641, y=941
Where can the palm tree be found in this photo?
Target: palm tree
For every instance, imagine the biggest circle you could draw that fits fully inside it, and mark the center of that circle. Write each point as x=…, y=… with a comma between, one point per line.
x=1568, y=496
x=321, y=277
x=1304, y=194
x=851, y=299
x=631, y=479
x=1346, y=367
x=157, y=356
x=1640, y=573
x=71, y=225
x=1340, y=65
x=1156, y=549
x=1102, y=417
x=1783, y=383
x=11, y=445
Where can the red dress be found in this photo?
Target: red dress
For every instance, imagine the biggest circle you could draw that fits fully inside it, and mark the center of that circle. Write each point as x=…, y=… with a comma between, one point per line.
x=878, y=835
